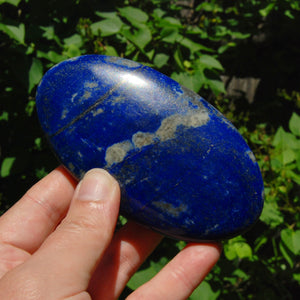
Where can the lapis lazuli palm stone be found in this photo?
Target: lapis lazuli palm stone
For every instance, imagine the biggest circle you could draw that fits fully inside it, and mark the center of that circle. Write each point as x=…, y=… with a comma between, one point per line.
x=184, y=170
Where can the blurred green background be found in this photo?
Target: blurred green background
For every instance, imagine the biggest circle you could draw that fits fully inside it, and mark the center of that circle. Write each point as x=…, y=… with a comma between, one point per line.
x=242, y=56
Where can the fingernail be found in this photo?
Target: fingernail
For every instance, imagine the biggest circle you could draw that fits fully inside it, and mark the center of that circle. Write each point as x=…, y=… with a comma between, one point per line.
x=96, y=185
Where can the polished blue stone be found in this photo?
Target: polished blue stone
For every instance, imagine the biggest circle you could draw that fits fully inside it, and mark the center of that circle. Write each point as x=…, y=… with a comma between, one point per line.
x=184, y=170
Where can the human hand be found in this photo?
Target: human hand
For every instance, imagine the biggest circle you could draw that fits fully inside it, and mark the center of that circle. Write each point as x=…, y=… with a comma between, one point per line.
x=58, y=242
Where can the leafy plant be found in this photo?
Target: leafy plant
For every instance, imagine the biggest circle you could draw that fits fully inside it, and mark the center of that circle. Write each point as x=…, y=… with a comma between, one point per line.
x=195, y=45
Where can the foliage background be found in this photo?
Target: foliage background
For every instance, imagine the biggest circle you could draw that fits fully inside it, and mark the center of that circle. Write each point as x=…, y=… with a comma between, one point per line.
x=194, y=42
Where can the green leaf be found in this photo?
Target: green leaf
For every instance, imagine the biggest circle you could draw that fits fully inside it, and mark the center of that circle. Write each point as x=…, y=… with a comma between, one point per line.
x=35, y=73
x=160, y=59
x=183, y=78
x=259, y=242
x=72, y=51
x=240, y=274
x=208, y=61
x=237, y=248
x=6, y=166
x=180, y=245
x=285, y=140
x=243, y=250
x=265, y=11
x=30, y=107
x=291, y=239
x=223, y=48
x=199, y=80
x=289, y=14
x=294, y=124
x=288, y=156
x=144, y=275
x=221, y=32
x=140, y=37
x=170, y=35
x=169, y=22
x=298, y=160
x=38, y=143
x=289, y=257
x=192, y=82
x=111, y=51
x=209, y=6
x=271, y=214
x=178, y=58
x=191, y=45
x=150, y=54
x=13, y=2
x=14, y=32
x=49, y=34
x=107, y=27
x=296, y=277
x=295, y=5
x=158, y=13
x=123, y=220
x=217, y=86
x=40, y=173
x=239, y=35
x=294, y=176
x=197, y=31
x=51, y=56
x=204, y=292
x=4, y=116
x=133, y=15
x=290, y=245
x=107, y=15
x=141, y=277
x=75, y=39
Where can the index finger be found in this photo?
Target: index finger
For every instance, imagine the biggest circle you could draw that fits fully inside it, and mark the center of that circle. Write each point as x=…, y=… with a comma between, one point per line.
x=38, y=212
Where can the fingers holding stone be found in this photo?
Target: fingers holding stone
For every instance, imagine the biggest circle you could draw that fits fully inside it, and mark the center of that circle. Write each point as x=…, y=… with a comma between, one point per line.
x=35, y=216
x=63, y=265
x=85, y=233
x=130, y=247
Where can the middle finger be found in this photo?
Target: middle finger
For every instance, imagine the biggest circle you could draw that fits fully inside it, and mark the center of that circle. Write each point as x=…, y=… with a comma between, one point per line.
x=131, y=245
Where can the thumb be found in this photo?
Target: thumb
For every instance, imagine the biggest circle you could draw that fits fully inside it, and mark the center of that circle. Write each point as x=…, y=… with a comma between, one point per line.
x=65, y=262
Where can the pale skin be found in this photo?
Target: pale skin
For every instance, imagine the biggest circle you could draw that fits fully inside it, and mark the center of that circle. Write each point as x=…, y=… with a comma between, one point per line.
x=59, y=242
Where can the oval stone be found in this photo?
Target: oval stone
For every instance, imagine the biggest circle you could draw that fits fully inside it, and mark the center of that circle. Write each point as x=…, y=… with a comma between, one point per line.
x=184, y=170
